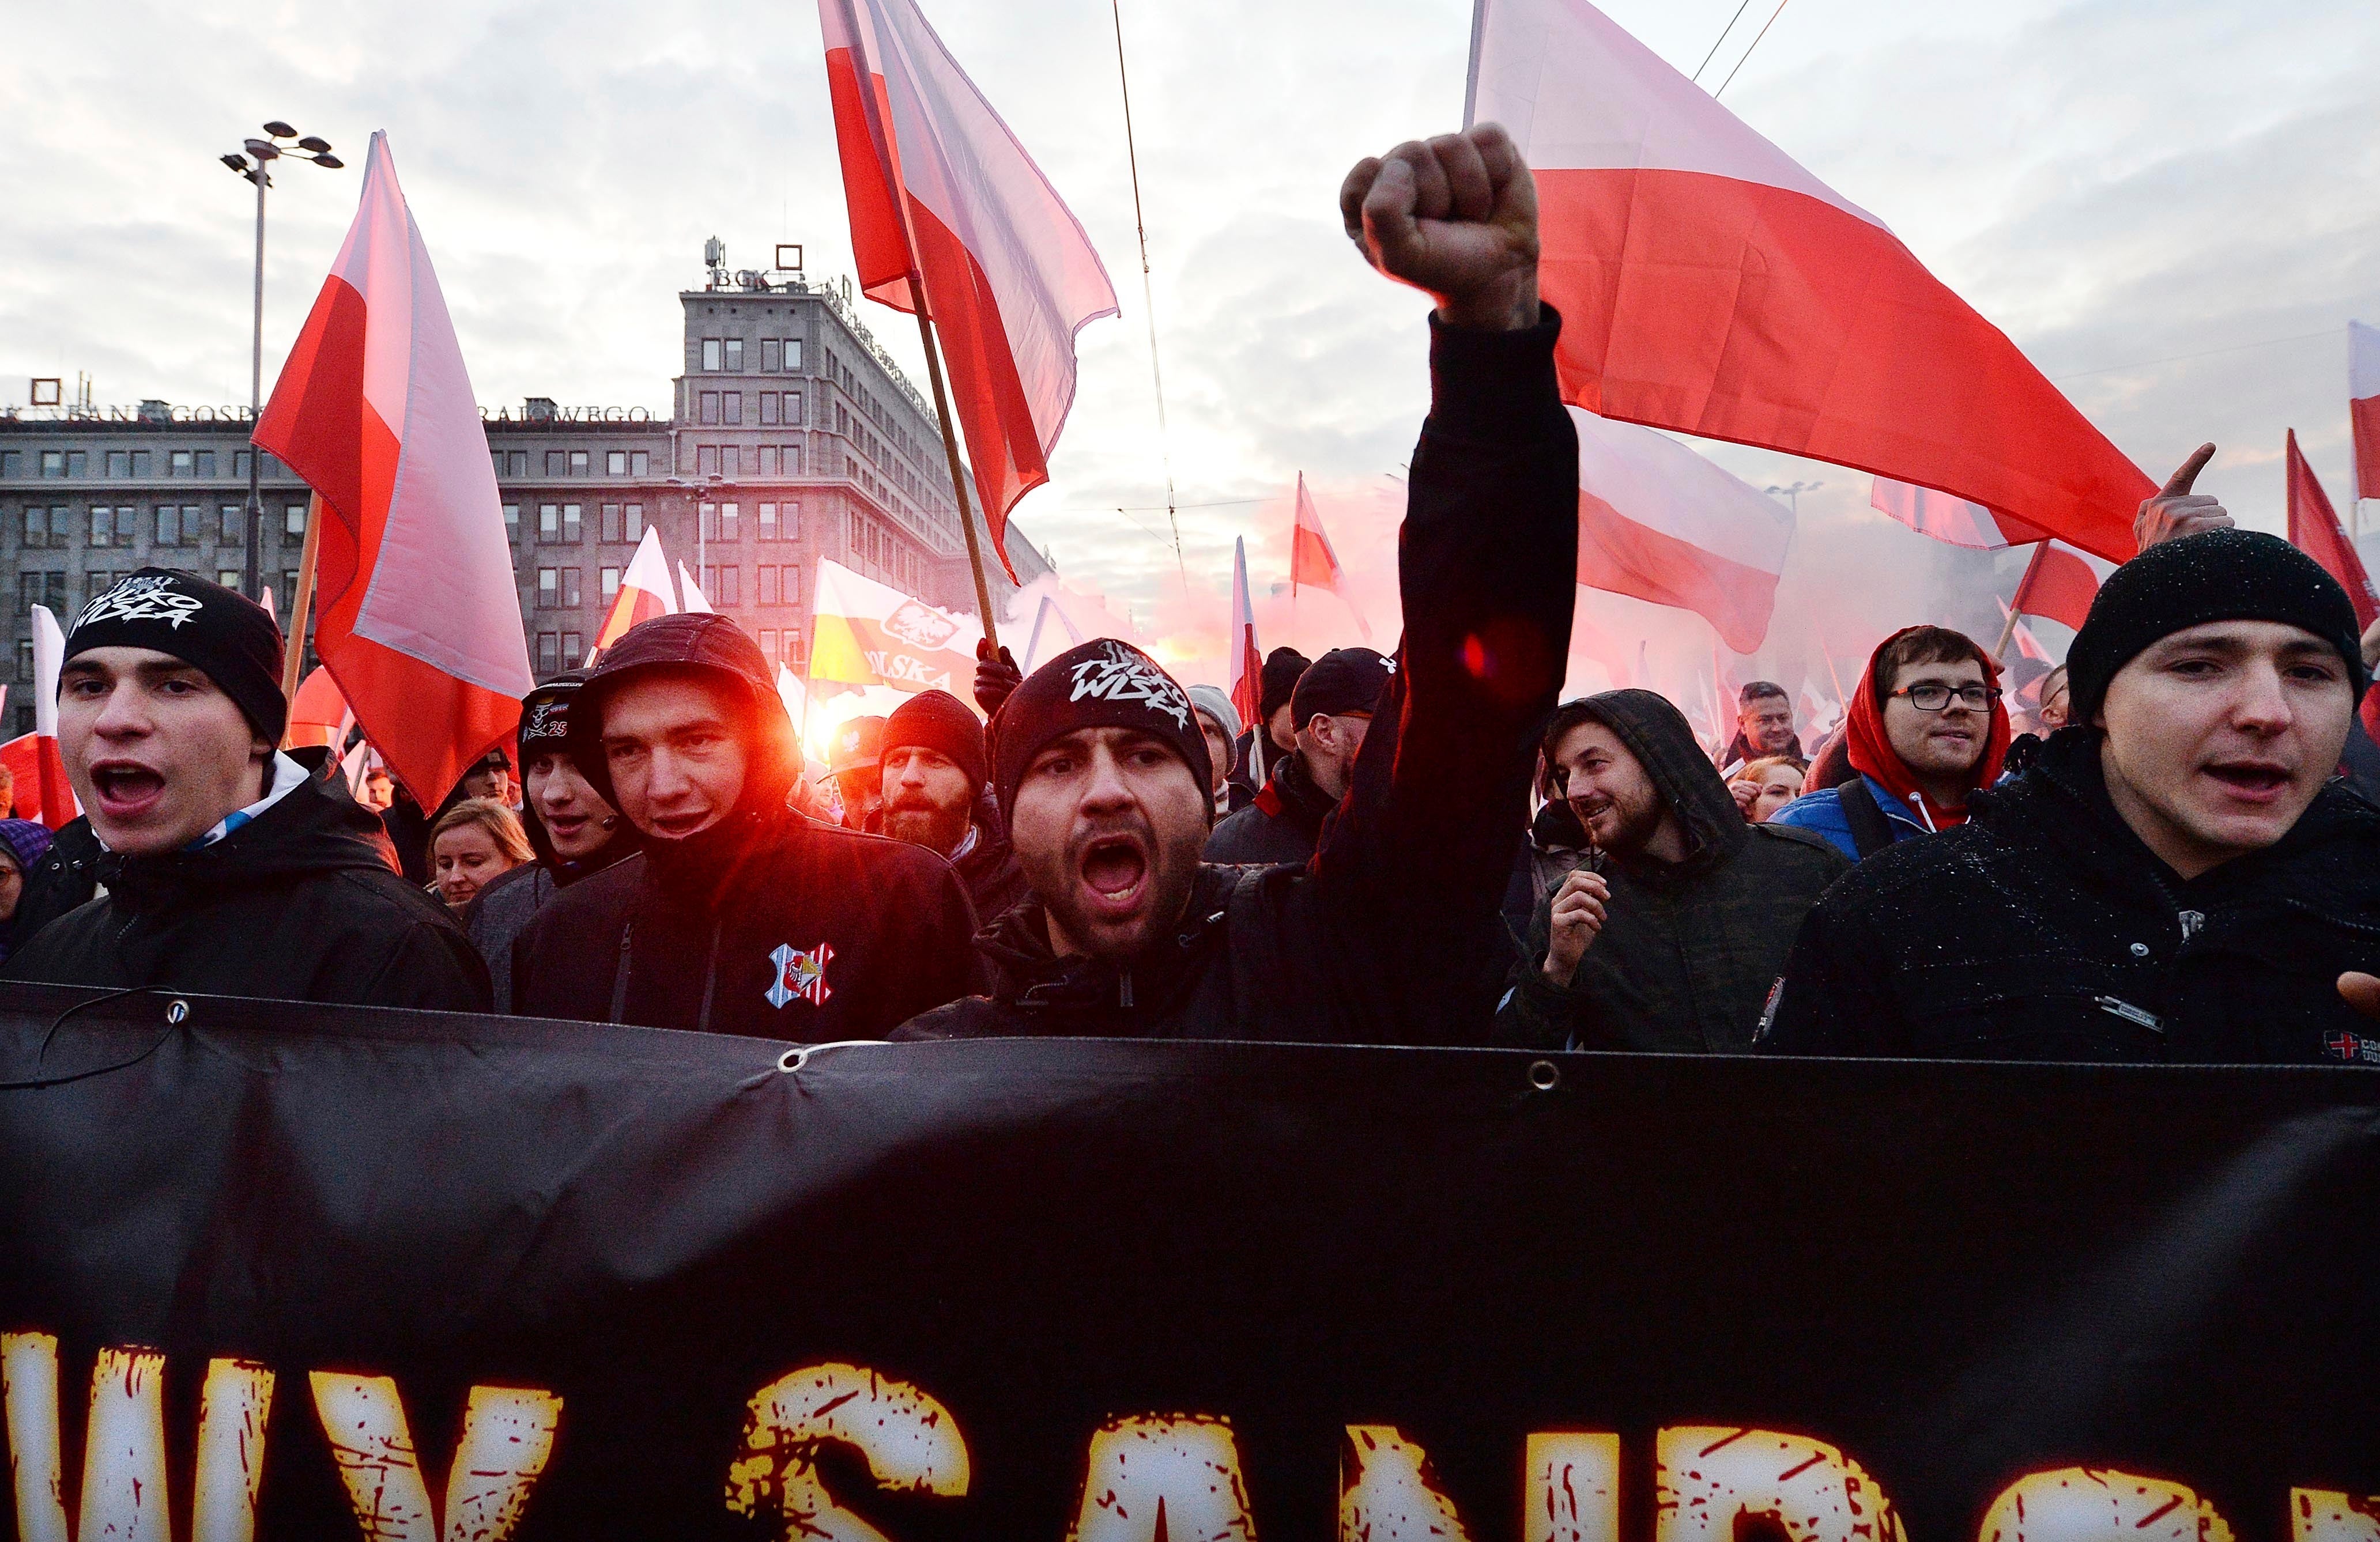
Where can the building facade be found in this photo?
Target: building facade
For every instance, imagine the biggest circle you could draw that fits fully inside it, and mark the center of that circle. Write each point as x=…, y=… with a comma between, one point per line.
x=791, y=437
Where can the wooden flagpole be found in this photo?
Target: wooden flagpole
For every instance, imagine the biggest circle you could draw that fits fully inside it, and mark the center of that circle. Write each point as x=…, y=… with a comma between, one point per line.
x=865, y=85
x=2008, y=628
x=301, y=600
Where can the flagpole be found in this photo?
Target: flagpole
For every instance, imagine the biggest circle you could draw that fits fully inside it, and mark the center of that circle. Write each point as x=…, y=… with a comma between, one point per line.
x=2008, y=628
x=865, y=84
x=301, y=600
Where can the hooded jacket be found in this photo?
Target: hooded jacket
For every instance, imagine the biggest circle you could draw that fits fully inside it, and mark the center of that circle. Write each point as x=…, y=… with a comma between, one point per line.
x=1283, y=824
x=765, y=923
x=1868, y=750
x=1390, y=934
x=297, y=903
x=2043, y=929
x=1691, y=949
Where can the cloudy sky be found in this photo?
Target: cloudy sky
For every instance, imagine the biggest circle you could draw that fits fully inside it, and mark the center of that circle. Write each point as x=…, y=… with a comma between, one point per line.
x=2148, y=196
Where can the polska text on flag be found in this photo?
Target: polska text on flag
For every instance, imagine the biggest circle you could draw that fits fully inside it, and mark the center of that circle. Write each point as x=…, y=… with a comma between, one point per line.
x=418, y=620
x=869, y=633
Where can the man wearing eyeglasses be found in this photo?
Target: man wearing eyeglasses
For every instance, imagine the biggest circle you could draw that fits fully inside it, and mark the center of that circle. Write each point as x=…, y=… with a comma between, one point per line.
x=1926, y=728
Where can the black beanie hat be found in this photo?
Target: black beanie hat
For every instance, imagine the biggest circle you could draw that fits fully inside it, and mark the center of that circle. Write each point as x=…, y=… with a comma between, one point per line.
x=1100, y=684
x=939, y=721
x=1343, y=680
x=225, y=636
x=1283, y=668
x=2219, y=576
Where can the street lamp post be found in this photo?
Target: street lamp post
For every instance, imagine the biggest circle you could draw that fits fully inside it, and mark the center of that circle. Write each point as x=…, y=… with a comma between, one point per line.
x=260, y=153
x=1793, y=495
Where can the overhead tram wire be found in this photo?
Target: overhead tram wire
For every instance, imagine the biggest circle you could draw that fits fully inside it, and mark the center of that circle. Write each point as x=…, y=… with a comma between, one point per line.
x=1747, y=53
x=1149, y=300
x=1724, y=31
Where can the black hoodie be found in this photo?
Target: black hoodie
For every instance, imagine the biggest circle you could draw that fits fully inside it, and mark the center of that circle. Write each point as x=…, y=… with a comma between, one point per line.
x=2043, y=929
x=299, y=904
x=1689, y=950
x=1391, y=934
x=763, y=923
x=1282, y=825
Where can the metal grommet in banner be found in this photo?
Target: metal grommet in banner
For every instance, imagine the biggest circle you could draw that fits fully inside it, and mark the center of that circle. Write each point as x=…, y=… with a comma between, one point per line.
x=1544, y=1075
x=794, y=1059
x=177, y=1012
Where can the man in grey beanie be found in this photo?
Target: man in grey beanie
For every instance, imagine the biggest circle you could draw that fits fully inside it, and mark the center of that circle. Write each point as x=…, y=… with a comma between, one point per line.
x=2178, y=876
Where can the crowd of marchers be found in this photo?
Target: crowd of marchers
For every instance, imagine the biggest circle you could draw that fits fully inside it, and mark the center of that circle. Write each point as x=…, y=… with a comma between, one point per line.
x=2178, y=861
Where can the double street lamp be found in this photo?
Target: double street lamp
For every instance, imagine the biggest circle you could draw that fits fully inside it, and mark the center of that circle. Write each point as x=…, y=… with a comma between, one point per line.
x=254, y=166
x=1793, y=495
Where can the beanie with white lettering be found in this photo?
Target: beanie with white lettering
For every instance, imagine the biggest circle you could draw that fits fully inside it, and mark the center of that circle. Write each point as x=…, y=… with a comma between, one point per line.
x=225, y=636
x=1101, y=684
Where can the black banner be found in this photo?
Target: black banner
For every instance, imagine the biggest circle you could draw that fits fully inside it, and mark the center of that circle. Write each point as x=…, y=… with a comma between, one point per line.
x=378, y=1274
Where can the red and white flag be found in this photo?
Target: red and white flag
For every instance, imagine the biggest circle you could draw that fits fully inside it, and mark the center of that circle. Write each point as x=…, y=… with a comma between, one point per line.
x=1313, y=563
x=939, y=189
x=2314, y=530
x=2363, y=404
x=1710, y=285
x=42, y=790
x=696, y=602
x=1658, y=522
x=645, y=592
x=1948, y=519
x=1247, y=659
x=2056, y=585
x=418, y=618
x=2027, y=645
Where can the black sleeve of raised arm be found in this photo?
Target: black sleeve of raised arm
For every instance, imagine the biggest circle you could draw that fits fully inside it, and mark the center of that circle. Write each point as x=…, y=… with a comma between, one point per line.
x=1833, y=999
x=1414, y=864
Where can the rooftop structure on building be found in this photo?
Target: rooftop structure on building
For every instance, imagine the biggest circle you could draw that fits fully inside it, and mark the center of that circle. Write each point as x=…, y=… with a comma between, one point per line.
x=791, y=437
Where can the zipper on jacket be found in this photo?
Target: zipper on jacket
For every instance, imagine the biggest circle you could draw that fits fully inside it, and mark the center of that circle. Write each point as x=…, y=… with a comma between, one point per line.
x=2130, y=1013
x=1123, y=986
x=2191, y=921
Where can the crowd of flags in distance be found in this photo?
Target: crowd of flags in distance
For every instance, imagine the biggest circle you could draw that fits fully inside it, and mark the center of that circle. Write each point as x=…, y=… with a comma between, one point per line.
x=1710, y=284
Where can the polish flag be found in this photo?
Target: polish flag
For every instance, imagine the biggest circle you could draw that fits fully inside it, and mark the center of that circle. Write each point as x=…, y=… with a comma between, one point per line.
x=2056, y=585
x=2314, y=530
x=2363, y=404
x=318, y=714
x=418, y=618
x=1660, y=522
x=1247, y=659
x=2027, y=645
x=1311, y=560
x=941, y=193
x=1710, y=285
x=1948, y=519
x=697, y=603
x=645, y=592
x=43, y=791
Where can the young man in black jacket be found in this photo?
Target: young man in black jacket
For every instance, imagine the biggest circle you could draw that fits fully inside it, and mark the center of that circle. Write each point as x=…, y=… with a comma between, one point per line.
x=2178, y=876
x=1333, y=708
x=1391, y=933
x=227, y=867
x=933, y=770
x=740, y=916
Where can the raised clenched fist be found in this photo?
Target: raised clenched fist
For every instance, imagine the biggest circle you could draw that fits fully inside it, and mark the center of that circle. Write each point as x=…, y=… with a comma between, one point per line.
x=1455, y=216
x=1578, y=915
x=2176, y=510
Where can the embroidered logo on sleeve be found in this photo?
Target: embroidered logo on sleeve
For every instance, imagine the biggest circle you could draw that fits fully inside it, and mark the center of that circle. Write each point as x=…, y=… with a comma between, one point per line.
x=801, y=974
x=2352, y=1047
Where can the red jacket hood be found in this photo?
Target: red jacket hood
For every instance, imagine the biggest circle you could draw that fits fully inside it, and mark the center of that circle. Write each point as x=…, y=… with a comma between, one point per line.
x=1871, y=752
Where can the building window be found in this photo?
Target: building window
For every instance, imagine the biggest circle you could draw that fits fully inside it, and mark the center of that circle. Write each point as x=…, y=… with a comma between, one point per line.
x=792, y=408
x=768, y=456
x=112, y=526
x=789, y=583
x=791, y=457
x=548, y=523
x=549, y=588
x=793, y=353
x=40, y=588
x=572, y=654
x=610, y=528
x=548, y=653
x=727, y=512
x=517, y=461
x=706, y=460
x=206, y=460
x=12, y=463
x=240, y=463
x=496, y=458
x=769, y=354
x=733, y=407
x=53, y=463
x=293, y=524
x=768, y=594
x=640, y=462
x=769, y=643
x=233, y=529
x=288, y=587
x=767, y=524
x=710, y=407
x=227, y=577
x=79, y=464
x=180, y=463
x=48, y=527
x=734, y=355
x=710, y=351
x=719, y=585
x=636, y=530
x=179, y=527
x=708, y=516
x=615, y=462
x=570, y=524
x=795, y=655
x=768, y=409
x=579, y=463
x=118, y=464
x=24, y=668
x=512, y=521
x=610, y=578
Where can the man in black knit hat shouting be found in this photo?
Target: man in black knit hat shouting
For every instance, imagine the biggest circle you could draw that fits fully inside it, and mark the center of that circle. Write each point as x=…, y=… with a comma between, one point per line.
x=2179, y=875
x=1391, y=935
x=227, y=867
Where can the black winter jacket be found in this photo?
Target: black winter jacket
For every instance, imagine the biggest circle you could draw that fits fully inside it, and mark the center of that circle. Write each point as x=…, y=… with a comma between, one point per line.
x=2043, y=929
x=65, y=878
x=1282, y=825
x=1390, y=934
x=1691, y=950
x=990, y=872
x=296, y=905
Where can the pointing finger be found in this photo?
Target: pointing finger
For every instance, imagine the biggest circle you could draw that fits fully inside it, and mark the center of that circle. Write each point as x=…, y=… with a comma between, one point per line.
x=2180, y=480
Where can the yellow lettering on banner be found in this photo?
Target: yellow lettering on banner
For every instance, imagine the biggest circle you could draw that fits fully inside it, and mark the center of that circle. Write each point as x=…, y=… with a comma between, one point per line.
x=1705, y=1478
x=1571, y=1489
x=124, y=1494
x=1387, y=1492
x=909, y=1440
x=508, y=1436
x=2090, y=1504
x=1156, y=1476
x=2328, y=1515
